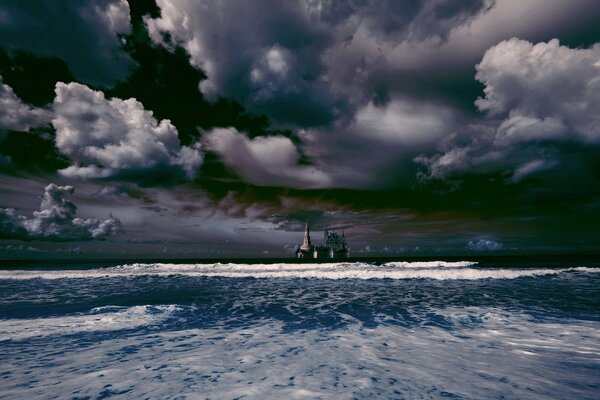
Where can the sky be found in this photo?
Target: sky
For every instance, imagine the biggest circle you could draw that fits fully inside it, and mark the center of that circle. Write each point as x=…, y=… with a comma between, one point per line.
x=205, y=129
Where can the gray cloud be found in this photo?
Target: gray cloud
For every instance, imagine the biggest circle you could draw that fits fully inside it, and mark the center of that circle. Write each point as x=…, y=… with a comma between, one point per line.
x=307, y=63
x=16, y=115
x=545, y=90
x=392, y=82
x=484, y=245
x=376, y=147
x=538, y=97
x=240, y=58
x=22, y=248
x=55, y=220
x=265, y=161
x=397, y=20
x=118, y=138
x=83, y=34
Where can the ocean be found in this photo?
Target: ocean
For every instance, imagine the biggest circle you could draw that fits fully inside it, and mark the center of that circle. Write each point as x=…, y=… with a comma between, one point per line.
x=280, y=330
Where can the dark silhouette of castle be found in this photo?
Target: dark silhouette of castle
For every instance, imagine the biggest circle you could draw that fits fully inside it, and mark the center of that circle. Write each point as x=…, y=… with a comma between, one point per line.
x=334, y=246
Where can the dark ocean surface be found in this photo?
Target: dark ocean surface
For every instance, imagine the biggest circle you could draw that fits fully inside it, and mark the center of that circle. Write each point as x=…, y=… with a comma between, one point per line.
x=390, y=330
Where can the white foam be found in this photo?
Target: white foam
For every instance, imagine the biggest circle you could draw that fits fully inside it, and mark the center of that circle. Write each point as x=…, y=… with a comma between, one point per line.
x=108, y=318
x=506, y=355
x=430, y=264
x=420, y=270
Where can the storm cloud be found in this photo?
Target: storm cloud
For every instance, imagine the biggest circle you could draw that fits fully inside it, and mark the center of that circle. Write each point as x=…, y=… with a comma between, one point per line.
x=305, y=63
x=84, y=34
x=402, y=121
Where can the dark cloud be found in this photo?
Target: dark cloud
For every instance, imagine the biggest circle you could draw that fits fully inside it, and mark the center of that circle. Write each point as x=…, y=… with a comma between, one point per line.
x=32, y=152
x=462, y=121
x=22, y=248
x=293, y=62
x=397, y=20
x=166, y=83
x=84, y=34
x=55, y=220
x=33, y=77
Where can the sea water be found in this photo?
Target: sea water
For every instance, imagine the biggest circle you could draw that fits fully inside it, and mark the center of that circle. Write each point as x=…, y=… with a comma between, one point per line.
x=397, y=330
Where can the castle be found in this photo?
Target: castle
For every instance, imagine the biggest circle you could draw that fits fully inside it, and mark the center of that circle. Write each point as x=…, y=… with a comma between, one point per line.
x=334, y=246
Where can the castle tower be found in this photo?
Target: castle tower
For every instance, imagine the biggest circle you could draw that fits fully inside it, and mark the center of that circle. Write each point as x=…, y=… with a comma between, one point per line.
x=306, y=244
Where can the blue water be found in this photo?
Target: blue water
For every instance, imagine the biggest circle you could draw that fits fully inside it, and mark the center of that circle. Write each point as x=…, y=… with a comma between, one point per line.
x=354, y=330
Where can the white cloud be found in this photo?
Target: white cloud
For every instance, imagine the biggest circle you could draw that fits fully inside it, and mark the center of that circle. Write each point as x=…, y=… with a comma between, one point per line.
x=55, y=220
x=114, y=15
x=532, y=167
x=547, y=90
x=536, y=96
x=519, y=128
x=270, y=73
x=117, y=138
x=189, y=23
x=265, y=161
x=16, y=115
x=404, y=122
x=441, y=165
x=484, y=245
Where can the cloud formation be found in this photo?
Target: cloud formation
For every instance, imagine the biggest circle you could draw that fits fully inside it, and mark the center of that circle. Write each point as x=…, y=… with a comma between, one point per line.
x=404, y=122
x=84, y=34
x=16, y=115
x=55, y=220
x=539, y=98
x=118, y=139
x=484, y=245
x=545, y=91
x=305, y=63
x=265, y=161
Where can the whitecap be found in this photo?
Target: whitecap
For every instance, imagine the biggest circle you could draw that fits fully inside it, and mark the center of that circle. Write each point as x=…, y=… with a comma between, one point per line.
x=347, y=270
x=107, y=318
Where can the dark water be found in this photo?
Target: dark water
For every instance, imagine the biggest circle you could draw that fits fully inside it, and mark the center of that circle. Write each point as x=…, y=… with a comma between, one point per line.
x=352, y=330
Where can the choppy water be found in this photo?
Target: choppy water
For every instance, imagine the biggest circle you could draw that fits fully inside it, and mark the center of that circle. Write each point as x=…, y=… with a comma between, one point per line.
x=423, y=330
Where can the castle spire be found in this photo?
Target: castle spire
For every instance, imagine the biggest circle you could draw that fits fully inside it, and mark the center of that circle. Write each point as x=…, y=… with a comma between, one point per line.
x=306, y=245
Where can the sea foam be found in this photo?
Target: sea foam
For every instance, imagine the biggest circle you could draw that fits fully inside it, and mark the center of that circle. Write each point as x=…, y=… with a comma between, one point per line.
x=107, y=318
x=438, y=270
x=505, y=354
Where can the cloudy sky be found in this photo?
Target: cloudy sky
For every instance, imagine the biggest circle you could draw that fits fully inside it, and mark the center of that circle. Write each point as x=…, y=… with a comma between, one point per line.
x=192, y=128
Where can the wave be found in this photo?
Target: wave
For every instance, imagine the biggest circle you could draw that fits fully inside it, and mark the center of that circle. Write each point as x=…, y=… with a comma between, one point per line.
x=430, y=264
x=438, y=270
x=508, y=354
x=108, y=318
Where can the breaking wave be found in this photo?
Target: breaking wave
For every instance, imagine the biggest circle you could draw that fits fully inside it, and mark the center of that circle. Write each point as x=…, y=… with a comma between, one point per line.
x=106, y=318
x=432, y=330
x=437, y=270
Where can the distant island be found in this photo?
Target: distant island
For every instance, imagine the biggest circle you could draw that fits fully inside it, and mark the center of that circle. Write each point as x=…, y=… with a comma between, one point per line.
x=334, y=245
